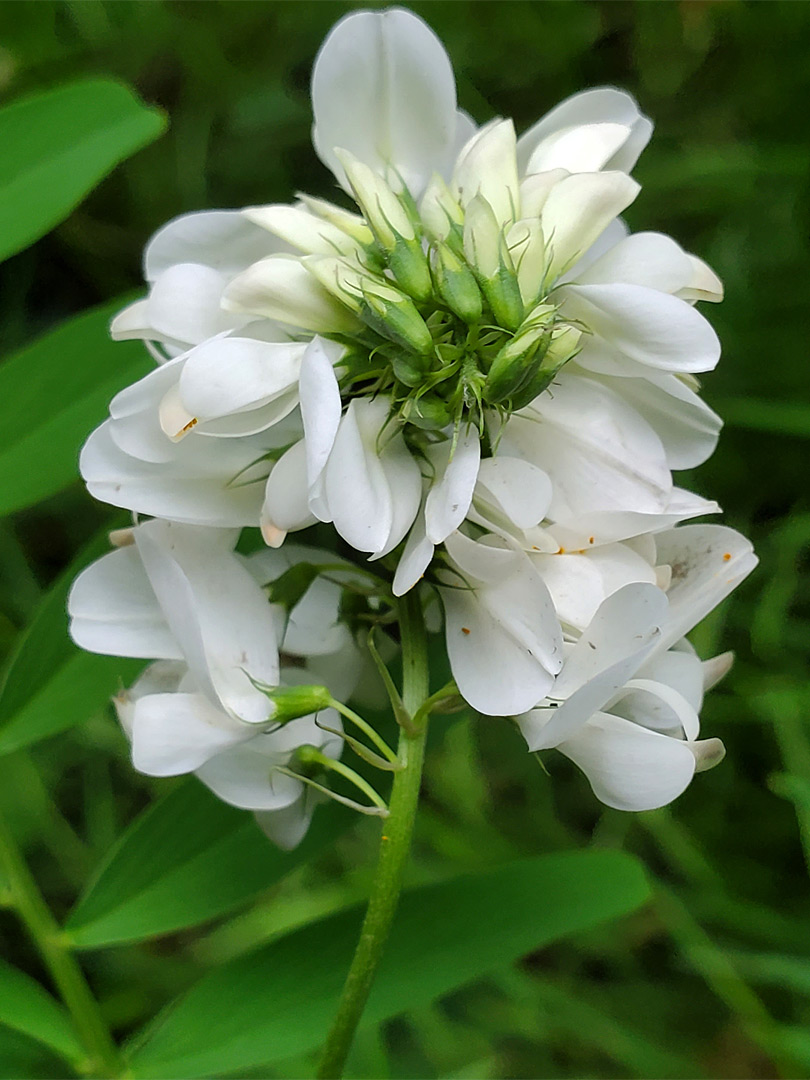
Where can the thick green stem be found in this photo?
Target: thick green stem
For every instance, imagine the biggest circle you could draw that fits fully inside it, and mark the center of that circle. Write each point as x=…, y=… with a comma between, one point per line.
x=395, y=845
x=103, y=1058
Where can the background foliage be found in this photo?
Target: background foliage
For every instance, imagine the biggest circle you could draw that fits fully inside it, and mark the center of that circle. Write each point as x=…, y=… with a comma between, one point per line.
x=711, y=978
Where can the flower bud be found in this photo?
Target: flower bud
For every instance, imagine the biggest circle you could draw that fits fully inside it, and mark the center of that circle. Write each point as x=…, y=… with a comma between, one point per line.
x=352, y=224
x=441, y=213
x=392, y=225
x=292, y=702
x=301, y=229
x=456, y=283
x=516, y=362
x=395, y=317
x=564, y=346
x=486, y=252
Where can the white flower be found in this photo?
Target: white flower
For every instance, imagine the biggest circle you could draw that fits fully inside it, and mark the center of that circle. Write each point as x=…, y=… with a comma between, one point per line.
x=625, y=705
x=179, y=594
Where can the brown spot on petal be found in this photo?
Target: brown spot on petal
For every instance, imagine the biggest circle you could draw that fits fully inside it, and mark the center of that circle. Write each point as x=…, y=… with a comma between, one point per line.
x=727, y=556
x=187, y=427
x=590, y=539
x=465, y=630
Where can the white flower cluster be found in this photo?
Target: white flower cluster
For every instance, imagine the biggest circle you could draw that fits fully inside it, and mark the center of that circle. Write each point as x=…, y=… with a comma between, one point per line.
x=481, y=380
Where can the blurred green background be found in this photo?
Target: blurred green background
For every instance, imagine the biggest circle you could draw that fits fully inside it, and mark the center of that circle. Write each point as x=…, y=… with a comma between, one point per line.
x=713, y=978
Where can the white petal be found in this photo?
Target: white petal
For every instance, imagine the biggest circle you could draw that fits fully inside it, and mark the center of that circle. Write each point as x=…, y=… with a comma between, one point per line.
x=487, y=167
x=113, y=610
x=647, y=258
x=494, y=673
x=708, y=562
x=288, y=826
x=598, y=451
x=716, y=669
x=233, y=374
x=184, y=305
x=286, y=506
x=514, y=490
x=196, y=486
x=583, y=148
x=449, y=498
x=383, y=88
x=619, y=638
x=703, y=284
x=415, y=558
x=176, y=733
x=687, y=427
x=578, y=209
x=217, y=613
x=630, y=768
x=535, y=189
x=222, y=239
x=659, y=707
x=320, y=411
x=282, y=288
x=603, y=105
x=648, y=326
x=244, y=776
x=303, y=230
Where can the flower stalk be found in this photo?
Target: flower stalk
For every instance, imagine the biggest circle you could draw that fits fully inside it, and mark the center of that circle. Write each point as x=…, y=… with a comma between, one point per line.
x=394, y=846
x=103, y=1058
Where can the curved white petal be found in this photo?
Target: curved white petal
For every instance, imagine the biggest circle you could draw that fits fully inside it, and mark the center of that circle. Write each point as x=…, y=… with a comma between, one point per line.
x=646, y=258
x=415, y=558
x=495, y=673
x=383, y=88
x=487, y=166
x=303, y=230
x=648, y=326
x=286, y=505
x=282, y=288
x=176, y=733
x=600, y=454
x=113, y=610
x=512, y=491
x=217, y=613
x=233, y=374
x=602, y=105
x=630, y=768
x=320, y=412
x=578, y=149
x=222, y=239
x=659, y=707
x=200, y=484
x=578, y=209
x=708, y=562
x=450, y=496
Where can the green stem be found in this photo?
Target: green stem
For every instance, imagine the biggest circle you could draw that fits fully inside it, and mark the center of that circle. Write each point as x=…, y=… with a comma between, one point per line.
x=103, y=1056
x=394, y=848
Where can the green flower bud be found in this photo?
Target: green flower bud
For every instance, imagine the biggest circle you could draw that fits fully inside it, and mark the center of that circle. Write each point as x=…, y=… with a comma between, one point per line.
x=292, y=702
x=516, y=362
x=564, y=346
x=394, y=316
x=456, y=283
x=486, y=252
x=441, y=213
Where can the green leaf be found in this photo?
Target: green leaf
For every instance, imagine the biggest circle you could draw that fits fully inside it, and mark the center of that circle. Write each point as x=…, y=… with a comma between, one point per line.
x=50, y=684
x=52, y=394
x=280, y=1000
x=186, y=859
x=57, y=145
x=26, y=1007
x=773, y=417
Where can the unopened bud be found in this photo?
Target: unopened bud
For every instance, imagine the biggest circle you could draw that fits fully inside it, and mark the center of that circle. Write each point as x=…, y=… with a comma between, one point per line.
x=456, y=283
x=516, y=362
x=486, y=252
x=564, y=346
x=350, y=223
x=395, y=317
x=292, y=702
x=441, y=213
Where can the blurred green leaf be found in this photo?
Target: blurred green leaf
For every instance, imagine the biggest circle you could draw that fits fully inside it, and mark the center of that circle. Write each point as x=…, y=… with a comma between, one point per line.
x=28, y=1008
x=50, y=684
x=57, y=146
x=52, y=394
x=186, y=859
x=279, y=1001
x=773, y=417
